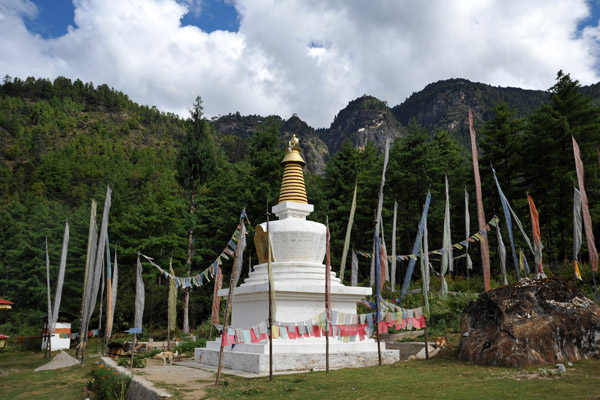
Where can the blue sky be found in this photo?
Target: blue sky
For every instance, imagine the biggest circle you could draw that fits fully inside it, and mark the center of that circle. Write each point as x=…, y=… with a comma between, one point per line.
x=309, y=57
x=56, y=15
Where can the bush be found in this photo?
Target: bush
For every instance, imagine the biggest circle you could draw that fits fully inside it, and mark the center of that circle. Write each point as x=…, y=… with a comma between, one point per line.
x=108, y=384
x=188, y=346
x=138, y=362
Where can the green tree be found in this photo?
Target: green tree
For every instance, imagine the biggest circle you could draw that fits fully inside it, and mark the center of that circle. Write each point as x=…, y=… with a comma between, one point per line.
x=195, y=165
x=266, y=170
x=548, y=166
x=501, y=142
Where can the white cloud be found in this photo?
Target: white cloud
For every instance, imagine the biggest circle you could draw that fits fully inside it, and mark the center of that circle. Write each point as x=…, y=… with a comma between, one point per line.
x=308, y=57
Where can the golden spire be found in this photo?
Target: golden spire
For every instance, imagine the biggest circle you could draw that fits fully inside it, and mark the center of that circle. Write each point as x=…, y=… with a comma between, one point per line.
x=292, y=186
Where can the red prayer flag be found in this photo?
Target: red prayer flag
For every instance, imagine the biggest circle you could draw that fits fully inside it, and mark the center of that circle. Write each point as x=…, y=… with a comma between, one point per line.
x=537, y=239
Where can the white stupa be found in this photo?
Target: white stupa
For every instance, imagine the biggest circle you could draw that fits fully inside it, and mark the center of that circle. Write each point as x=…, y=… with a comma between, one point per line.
x=298, y=248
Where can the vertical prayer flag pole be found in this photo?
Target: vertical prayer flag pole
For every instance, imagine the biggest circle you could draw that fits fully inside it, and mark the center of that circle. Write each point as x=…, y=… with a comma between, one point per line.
x=393, y=271
x=425, y=299
x=327, y=299
x=229, y=300
x=270, y=277
x=485, y=252
x=377, y=287
x=102, y=276
x=348, y=232
x=587, y=220
x=49, y=336
x=85, y=277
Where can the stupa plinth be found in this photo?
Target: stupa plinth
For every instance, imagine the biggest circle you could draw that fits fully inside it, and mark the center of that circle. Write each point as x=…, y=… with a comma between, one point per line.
x=298, y=250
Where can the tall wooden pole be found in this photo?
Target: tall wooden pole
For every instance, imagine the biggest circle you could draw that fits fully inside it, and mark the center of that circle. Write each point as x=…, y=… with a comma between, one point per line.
x=85, y=279
x=421, y=253
x=228, y=308
x=270, y=294
x=327, y=300
x=134, y=313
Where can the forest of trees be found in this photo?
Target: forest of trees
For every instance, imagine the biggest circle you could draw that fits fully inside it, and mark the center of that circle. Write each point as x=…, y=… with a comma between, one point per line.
x=63, y=142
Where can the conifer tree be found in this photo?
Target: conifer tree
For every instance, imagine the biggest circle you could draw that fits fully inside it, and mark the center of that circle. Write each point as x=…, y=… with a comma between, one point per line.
x=195, y=165
x=548, y=165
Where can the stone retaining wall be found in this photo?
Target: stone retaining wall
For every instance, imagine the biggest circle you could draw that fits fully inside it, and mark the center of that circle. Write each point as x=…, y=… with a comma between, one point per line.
x=139, y=388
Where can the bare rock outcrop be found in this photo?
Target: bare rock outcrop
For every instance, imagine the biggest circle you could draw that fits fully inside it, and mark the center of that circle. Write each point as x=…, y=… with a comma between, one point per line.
x=530, y=323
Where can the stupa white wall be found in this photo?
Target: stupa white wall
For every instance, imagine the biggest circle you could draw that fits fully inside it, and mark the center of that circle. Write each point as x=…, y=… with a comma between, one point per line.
x=299, y=248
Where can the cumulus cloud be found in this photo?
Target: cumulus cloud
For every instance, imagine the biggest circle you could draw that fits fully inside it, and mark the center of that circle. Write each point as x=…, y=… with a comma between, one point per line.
x=307, y=56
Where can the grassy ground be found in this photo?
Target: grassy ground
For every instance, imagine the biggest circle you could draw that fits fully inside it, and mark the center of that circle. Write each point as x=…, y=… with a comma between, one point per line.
x=18, y=381
x=443, y=377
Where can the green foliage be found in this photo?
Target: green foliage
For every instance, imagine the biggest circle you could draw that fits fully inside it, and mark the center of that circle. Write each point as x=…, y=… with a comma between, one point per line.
x=196, y=158
x=138, y=361
x=188, y=346
x=108, y=384
x=64, y=141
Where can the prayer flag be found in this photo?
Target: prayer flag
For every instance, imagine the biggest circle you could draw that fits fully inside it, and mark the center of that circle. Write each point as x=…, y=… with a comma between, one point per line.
x=114, y=287
x=446, y=243
x=216, y=299
x=467, y=231
x=139, y=296
x=501, y=253
x=485, y=255
x=587, y=220
x=537, y=241
x=508, y=211
x=48, y=288
x=577, y=273
x=61, y=278
x=377, y=276
x=393, y=272
x=354, y=272
x=577, y=229
x=328, y=279
x=425, y=255
x=348, y=231
x=273, y=298
x=109, y=307
x=172, y=301
x=380, y=203
x=411, y=264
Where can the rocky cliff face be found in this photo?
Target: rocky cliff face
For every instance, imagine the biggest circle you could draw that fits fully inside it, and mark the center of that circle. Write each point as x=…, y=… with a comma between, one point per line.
x=235, y=128
x=440, y=105
x=444, y=104
x=364, y=120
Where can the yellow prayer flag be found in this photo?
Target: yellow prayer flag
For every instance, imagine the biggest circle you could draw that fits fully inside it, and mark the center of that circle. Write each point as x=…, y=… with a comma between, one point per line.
x=577, y=273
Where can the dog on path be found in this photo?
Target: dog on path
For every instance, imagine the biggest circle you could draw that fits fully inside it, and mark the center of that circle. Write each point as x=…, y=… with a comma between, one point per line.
x=166, y=356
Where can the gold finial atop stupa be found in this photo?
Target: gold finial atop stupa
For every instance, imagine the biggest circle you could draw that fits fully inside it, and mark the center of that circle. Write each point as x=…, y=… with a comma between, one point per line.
x=292, y=185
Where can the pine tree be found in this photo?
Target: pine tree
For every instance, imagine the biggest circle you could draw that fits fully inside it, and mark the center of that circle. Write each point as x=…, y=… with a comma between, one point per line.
x=195, y=165
x=548, y=164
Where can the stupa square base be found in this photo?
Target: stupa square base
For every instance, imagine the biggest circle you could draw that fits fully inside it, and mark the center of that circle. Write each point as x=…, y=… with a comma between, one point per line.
x=257, y=363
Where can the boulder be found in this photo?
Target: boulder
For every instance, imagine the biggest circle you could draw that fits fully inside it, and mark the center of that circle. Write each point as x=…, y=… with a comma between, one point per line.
x=532, y=322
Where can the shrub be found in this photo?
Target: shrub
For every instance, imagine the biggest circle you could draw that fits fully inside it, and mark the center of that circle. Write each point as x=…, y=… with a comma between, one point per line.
x=108, y=384
x=138, y=362
x=188, y=346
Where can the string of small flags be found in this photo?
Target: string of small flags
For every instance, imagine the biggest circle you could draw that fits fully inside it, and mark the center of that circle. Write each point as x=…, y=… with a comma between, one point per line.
x=476, y=237
x=342, y=326
x=209, y=272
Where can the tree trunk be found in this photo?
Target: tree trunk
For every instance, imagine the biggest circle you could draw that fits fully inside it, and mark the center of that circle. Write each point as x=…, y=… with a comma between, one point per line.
x=186, y=301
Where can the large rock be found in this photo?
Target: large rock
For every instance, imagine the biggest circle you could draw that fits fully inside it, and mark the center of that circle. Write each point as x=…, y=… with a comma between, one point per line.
x=530, y=323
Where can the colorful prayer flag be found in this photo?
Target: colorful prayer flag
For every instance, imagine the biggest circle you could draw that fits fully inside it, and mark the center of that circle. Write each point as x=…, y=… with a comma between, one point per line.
x=485, y=255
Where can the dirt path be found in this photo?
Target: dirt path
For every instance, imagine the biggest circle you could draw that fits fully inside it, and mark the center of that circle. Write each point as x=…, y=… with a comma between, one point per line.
x=182, y=379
